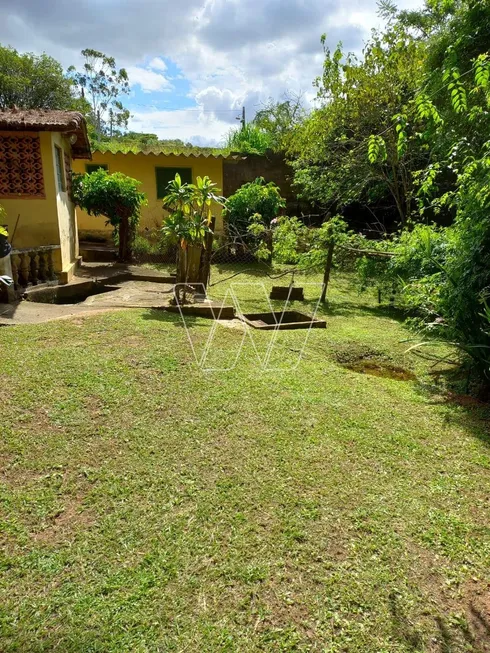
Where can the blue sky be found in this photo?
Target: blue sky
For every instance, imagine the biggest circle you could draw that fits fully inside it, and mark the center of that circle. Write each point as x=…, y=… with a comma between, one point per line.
x=162, y=86
x=193, y=64
x=159, y=85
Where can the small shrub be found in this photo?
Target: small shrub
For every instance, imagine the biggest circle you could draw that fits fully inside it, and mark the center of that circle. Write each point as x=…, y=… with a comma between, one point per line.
x=5, y=246
x=291, y=239
x=250, y=139
x=254, y=198
x=295, y=243
x=142, y=246
x=115, y=196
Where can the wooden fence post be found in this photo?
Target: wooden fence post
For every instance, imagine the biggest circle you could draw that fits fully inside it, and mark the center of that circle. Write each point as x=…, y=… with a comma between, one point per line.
x=326, y=274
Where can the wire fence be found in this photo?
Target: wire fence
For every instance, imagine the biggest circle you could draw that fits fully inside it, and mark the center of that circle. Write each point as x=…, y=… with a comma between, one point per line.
x=232, y=247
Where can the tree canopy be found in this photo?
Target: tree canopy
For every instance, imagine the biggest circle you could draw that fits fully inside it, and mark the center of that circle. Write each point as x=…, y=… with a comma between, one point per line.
x=102, y=84
x=358, y=98
x=408, y=124
x=270, y=129
x=31, y=81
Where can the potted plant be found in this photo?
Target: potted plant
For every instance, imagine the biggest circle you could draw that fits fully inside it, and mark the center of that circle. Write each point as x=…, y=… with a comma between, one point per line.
x=5, y=270
x=188, y=223
x=5, y=247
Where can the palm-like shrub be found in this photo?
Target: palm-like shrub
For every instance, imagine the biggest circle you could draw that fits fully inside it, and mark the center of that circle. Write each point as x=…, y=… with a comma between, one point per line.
x=188, y=222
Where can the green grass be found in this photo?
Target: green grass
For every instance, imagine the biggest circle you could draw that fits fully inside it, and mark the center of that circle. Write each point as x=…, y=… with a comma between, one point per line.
x=147, y=505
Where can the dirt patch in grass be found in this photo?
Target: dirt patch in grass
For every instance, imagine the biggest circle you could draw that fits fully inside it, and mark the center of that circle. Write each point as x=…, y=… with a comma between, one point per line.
x=15, y=477
x=468, y=401
x=232, y=324
x=65, y=523
x=95, y=406
x=478, y=614
x=366, y=360
x=376, y=368
x=461, y=615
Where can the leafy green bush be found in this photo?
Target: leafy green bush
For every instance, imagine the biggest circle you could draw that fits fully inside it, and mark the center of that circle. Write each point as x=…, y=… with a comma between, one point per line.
x=3, y=216
x=444, y=274
x=291, y=239
x=115, y=196
x=463, y=296
x=249, y=139
x=417, y=254
x=254, y=198
x=142, y=246
x=296, y=244
x=5, y=246
x=151, y=245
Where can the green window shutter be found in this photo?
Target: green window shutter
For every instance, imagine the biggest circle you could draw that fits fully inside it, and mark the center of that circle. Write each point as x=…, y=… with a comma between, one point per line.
x=92, y=167
x=165, y=175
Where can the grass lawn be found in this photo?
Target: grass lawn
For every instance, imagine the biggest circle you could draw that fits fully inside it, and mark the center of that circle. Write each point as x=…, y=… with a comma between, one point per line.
x=147, y=505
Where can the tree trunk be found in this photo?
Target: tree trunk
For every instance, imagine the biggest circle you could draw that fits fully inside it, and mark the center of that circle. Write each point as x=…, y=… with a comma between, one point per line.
x=205, y=264
x=398, y=194
x=326, y=274
x=124, y=241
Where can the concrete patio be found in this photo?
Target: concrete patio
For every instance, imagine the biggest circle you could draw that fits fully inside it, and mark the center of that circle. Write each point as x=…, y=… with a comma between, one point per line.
x=118, y=287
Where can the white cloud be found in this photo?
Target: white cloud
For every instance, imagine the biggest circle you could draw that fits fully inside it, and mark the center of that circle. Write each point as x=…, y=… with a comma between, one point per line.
x=232, y=52
x=148, y=80
x=190, y=125
x=157, y=63
x=222, y=103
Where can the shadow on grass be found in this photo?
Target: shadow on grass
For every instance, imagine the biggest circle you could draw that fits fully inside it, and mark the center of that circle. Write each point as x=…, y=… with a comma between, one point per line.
x=349, y=309
x=475, y=631
x=472, y=632
x=403, y=629
x=167, y=317
x=480, y=625
x=229, y=269
x=466, y=411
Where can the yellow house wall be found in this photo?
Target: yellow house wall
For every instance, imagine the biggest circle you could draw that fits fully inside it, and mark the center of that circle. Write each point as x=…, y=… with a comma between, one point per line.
x=142, y=167
x=36, y=219
x=49, y=221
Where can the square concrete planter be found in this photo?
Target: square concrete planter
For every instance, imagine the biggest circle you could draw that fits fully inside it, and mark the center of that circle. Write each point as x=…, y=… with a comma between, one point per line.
x=282, y=321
